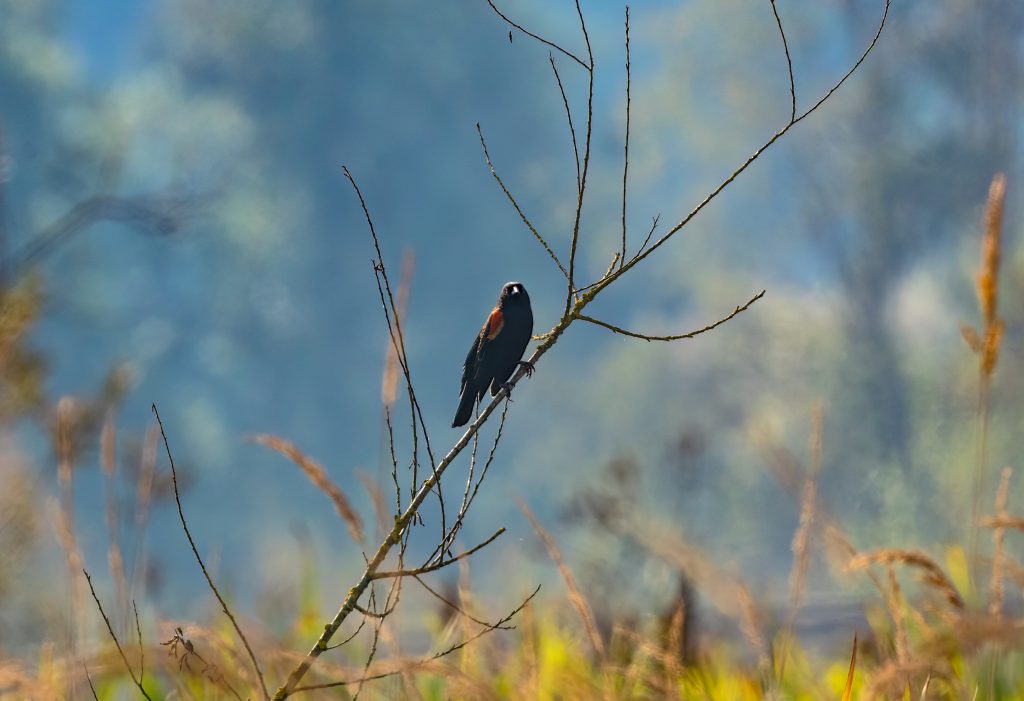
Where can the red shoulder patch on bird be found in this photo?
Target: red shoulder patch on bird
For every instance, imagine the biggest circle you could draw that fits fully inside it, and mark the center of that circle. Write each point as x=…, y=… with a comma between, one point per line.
x=494, y=324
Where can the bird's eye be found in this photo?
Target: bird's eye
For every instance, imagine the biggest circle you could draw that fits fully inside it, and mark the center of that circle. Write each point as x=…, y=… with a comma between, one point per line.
x=515, y=289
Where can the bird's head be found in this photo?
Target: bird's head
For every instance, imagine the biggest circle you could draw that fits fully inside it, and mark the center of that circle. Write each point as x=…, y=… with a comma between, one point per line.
x=513, y=294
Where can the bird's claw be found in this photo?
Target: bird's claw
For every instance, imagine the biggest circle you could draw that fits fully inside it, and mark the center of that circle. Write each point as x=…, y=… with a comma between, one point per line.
x=507, y=386
x=528, y=366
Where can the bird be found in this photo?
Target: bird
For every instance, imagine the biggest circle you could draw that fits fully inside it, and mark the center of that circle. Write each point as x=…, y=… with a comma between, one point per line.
x=497, y=350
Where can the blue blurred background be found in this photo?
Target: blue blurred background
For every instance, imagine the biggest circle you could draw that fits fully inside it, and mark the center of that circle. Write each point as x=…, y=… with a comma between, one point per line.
x=257, y=311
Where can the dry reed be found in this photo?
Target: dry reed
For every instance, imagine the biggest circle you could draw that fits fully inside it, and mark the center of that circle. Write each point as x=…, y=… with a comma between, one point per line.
x=318, y=476
x=576, y=598
x=998, y=538
x=931, y=573
x=392, y=367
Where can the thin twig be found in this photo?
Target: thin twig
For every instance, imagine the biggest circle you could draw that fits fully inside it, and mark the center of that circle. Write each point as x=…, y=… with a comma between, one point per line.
x=349, y=639
x=89, y=679
x=142, y=654
x=530, y=34
x=500, y=625
x=789, y=63
x=571, y=292
x=750, y=159
x=202, y=565
x=568, y=117
x=455, y=607
x=691, y=334
x=394, y=460
x=467, y=497
x=398, y=342
x=113, y=637
x=386, y=574
x=515, y=204
x=625, y=160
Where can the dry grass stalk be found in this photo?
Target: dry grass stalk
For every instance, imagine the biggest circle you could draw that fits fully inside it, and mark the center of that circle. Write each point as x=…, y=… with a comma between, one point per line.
x=1013, y=570
x=1014, y=523
x=931, y=573
x=723, y=589
x=143, y=501
x=115, y=559
x=988, y=277
x=376, y=498
x=392, y=368
x=987, y=346
x=971, y=632
x=674, y=644
x=896, y=605
x=753, y=630
x=68, y=413
x=890, y=682
x=576, y=597
x=802, y=536
x=998, y=537
x=16, y=679
x=318, y=476
x=790, y=474
x=801, y=544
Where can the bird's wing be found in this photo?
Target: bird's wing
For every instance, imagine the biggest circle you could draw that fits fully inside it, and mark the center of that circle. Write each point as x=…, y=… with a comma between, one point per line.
x=469, y=367
x=495, y=323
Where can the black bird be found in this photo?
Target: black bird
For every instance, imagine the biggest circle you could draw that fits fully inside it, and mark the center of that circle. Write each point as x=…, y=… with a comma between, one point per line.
x=496, y=350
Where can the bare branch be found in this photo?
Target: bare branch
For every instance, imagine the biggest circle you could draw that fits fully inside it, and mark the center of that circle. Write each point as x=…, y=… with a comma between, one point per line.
x=519, y=210
x=350, y=638
x=199, y=559
x=568, y=117
x=403, y=522
x=89, y=679
x=853, y=68
x=576, y=302
x=611, y=327
x=455, y=607
x=394, y=460
x=625, y=160
x=152, y=214
x=570, y=294
x=753, y=157
x=654, y=225
x=398, y=341
x=387, y=574
x=789, y=63
x=500, y=625
x=113, y=637
x=398, y=337
x=530, y=34
x=467, y=497
x=142, y=653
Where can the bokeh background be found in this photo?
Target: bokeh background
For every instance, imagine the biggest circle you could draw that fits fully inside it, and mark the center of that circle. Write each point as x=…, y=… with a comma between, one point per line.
x=250, y=306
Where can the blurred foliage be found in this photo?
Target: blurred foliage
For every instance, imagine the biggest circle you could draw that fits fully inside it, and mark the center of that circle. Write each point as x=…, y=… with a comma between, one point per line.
x=22, y=370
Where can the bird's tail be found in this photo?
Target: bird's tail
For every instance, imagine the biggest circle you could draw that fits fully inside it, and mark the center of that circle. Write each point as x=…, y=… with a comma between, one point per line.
x=465, y=410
